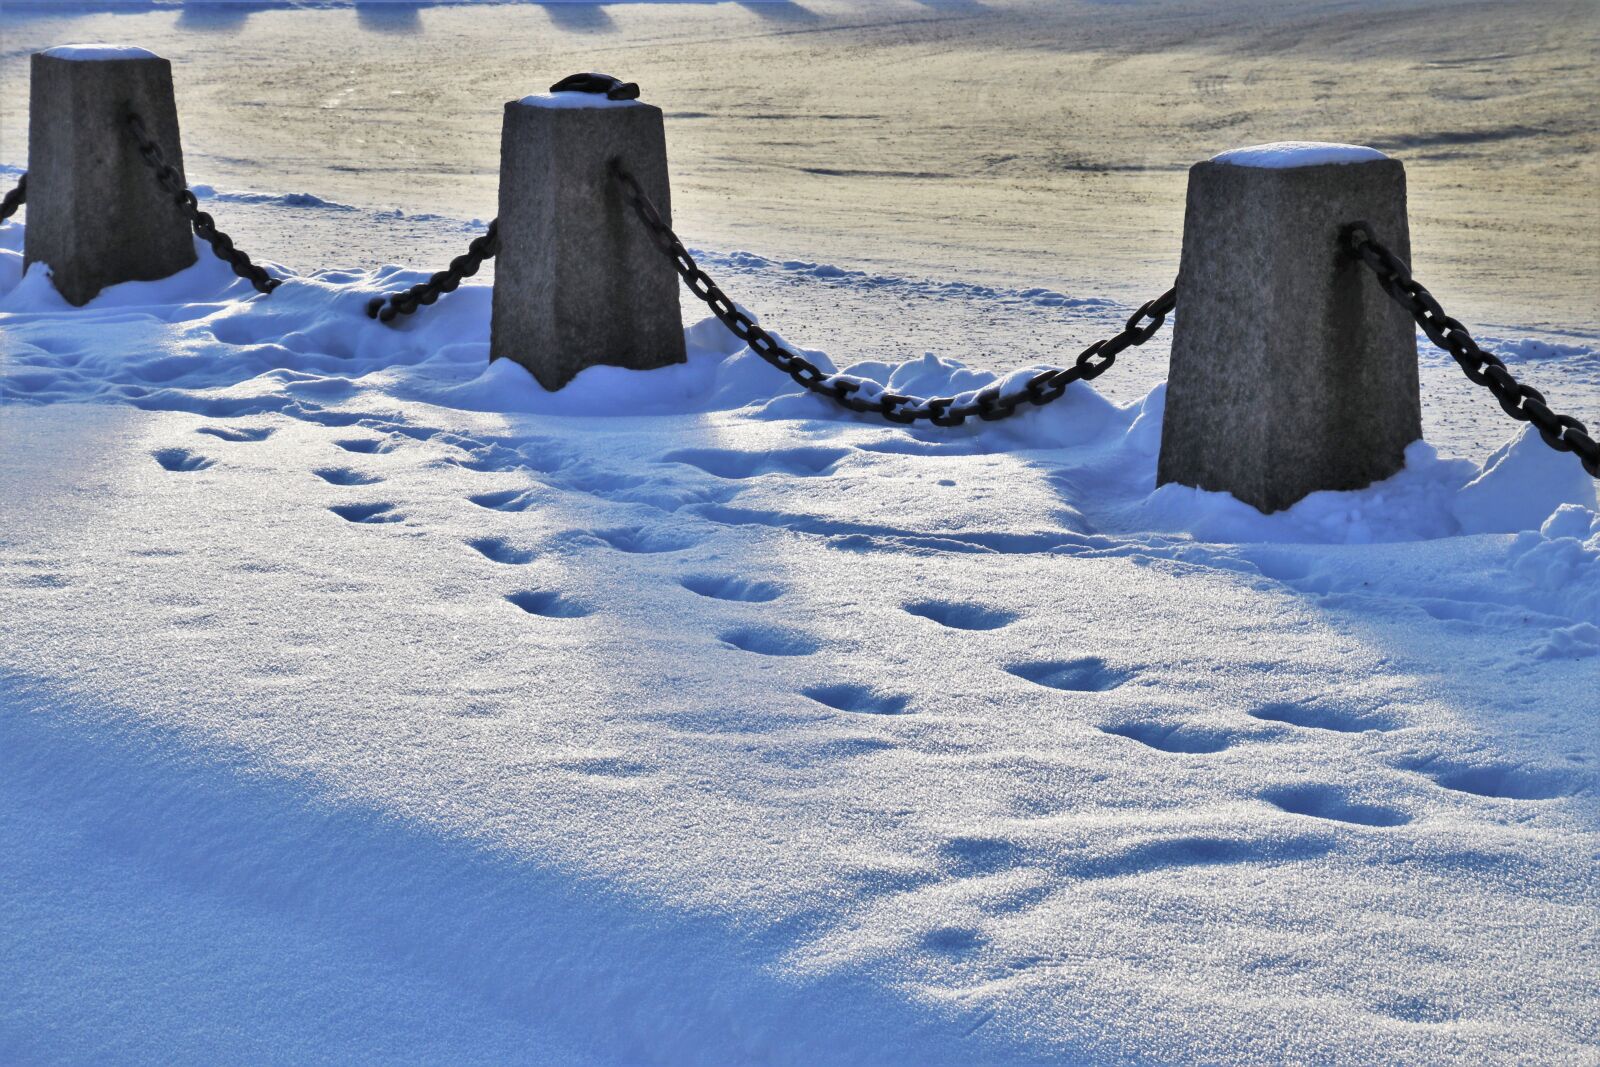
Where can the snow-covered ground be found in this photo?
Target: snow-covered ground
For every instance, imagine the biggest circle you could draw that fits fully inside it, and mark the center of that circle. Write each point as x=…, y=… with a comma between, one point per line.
x=361, y=701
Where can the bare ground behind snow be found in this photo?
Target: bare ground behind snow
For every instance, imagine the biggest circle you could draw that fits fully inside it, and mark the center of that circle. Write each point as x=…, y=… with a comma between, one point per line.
x=1034, y=143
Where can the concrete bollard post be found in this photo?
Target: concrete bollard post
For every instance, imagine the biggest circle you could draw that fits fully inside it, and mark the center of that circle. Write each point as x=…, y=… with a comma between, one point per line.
x=1291, y=370
x=578, y=280
x=96, y=215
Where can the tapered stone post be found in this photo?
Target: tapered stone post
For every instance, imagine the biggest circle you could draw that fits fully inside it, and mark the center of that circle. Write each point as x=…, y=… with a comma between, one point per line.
x=96, y=215
x=1292, y=371
x=578, y=281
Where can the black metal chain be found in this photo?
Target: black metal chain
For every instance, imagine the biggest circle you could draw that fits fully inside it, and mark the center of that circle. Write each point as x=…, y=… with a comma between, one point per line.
x=612, y=88
x=989, y=403
x=483, y=247
x=205, y=227
x=1522, y=402
x=14, y=199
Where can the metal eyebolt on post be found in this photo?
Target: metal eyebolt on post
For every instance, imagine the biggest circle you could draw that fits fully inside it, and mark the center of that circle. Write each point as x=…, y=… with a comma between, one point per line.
x=1522, y=402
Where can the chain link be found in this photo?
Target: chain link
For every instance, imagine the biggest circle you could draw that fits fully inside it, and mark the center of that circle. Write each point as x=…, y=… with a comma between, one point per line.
x=205, y=227
x=1522, y=402
x=861, y=395
x=14, y=199
x=604, y=84
x=483, y=247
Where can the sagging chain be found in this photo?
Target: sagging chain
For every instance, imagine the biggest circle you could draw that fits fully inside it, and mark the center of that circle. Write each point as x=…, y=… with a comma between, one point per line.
x=14, y=199
x=1522, y=402
x=205, y=227
x=861, y=395
x=483, y=247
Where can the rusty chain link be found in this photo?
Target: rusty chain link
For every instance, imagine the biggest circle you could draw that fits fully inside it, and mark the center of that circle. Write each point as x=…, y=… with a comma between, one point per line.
x=205, y=227
x=1522, y=402
x=483, y=247
x=861, y=395
x=14, y=199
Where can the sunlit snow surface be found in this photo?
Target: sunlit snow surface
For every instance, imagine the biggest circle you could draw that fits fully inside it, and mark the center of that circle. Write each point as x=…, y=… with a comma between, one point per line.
x=1286, y=155
x=90, y=52
x=573, y=99
x=359, y=700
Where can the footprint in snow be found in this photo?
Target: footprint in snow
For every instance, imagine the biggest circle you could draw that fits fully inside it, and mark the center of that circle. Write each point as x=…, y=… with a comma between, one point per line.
x=858, y=699
x=503, y=500
x=952, y=940
x=345, y=476
x=549, y=604
x=644, y=539
x=981, y=855
x=732, y=464
x=1334, y=803
x=229, y=433
x=959, y=616
x=1173, y=737
x=1316, y=716
x=500, y=550
x=373, y=513
x=366, y=445
x=181, y=459
x=727, y=587
x=771, y=641
x=1090, y=674
x=1500, y=781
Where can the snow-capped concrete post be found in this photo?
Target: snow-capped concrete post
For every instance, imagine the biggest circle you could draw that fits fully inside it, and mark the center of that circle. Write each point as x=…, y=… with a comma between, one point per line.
x=1291, y=370
x=578, y=280
x=95, y=212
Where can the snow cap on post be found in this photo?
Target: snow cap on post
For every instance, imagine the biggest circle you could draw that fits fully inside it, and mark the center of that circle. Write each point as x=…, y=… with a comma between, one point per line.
x=1292, y=371
x=578, y=280
x=96, y=214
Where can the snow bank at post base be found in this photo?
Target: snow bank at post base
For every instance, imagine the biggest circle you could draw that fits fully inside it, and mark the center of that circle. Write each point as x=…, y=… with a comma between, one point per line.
x=235, y=342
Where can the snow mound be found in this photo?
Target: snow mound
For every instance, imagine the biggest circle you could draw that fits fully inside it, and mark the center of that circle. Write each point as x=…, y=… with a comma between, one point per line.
x=1283, y=155
x=1520, y=485
x=576, y=100
x=87, y=52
